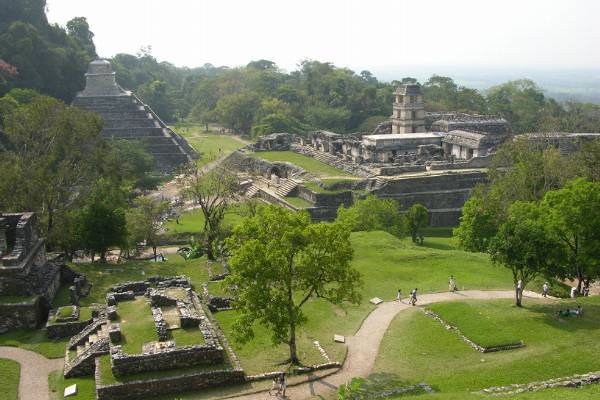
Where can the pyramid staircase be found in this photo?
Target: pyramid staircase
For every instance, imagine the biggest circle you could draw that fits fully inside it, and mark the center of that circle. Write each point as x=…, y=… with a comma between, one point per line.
x=126, y=117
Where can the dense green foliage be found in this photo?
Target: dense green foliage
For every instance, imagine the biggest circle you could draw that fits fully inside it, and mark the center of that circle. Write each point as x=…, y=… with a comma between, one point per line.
x=417, y=219
x=373, y=214
x=280, y=261
x=47, y=58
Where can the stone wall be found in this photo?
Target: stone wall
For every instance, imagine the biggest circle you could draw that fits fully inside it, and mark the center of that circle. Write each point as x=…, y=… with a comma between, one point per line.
x=30, y=314
x=326, y=199
x=401, y=169
x=166, y=385
x=188, y=356
x=239, y=161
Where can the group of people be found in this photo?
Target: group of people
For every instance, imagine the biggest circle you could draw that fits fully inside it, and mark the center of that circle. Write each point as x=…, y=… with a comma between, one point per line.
x=568, y=312
x=412, y=300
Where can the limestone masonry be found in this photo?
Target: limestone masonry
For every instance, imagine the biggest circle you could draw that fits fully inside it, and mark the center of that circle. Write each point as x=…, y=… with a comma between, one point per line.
x=127, y=117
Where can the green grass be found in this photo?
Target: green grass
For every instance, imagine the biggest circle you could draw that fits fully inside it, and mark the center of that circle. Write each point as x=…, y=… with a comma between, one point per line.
x=314, y=186
x=103, y=276
x=15, y=299
x=192, y=223
x=386, y=264
x=9, y=384
x=260, y=355
x=298, y=202
x=187, y=336
x=307, y=163
x=421, y=350
x=86, y=387
x=208, y=144
x=34, y=340
x=137, y=324
x=216, y=289
x=64, y=312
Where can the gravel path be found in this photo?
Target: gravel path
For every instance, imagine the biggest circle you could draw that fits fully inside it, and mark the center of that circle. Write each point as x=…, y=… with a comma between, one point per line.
x=33, y=383
x=364, y=345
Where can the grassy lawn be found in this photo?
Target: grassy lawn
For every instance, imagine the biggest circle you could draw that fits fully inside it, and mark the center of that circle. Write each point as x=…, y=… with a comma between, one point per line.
x=9, y=384
x=318, y=189
x=421, y=350
x=260, y=355
x=208, y=144
x=298, y=202
x=192, y=222
x=103, y=276
x=137, y=324
x=86, y=387
x=387, y=264
x=308, y=163
x=34, y=340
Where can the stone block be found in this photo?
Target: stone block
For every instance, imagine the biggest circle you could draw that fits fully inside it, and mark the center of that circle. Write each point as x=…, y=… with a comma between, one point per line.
x=339, y=339
x=70, y=391
x=376, y=301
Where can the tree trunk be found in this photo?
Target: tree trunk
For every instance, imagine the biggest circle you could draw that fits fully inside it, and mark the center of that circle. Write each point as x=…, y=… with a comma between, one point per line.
x=292, y=343
x=209, y=247
x=154, y=251
x=93, y=255
x=517, y=297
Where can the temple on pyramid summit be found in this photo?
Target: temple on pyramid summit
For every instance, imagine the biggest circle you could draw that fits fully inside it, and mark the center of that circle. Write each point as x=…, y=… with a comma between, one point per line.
x=127, y=117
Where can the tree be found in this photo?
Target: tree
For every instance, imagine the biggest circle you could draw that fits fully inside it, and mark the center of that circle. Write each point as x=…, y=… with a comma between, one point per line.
x=214, y=191
x=79, y=29
x=101, y=223
x=523, y=245
x=573, y=217
x=154, y=93
x=55, y=153
x=417, y=219
x=237, y=111
x=144, y=221
x=479, y=223
x=280, y=261
x=373, y=214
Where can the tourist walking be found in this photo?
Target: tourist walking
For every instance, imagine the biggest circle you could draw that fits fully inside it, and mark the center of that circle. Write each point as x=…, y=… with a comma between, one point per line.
x=452, y=283
x=399, y=296
x=413, y=296
x=545, y=289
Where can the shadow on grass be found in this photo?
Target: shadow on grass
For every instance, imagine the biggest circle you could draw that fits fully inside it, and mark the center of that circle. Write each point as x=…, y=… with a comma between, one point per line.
x=437, y=246
x=590, y=320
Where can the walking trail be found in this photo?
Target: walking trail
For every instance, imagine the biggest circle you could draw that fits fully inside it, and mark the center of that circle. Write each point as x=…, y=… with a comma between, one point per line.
x=33, y=382
x=363, y=347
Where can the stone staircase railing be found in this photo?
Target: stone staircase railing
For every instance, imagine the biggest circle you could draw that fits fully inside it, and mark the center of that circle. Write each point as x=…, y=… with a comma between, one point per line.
x=84, y=362
x=82, y=337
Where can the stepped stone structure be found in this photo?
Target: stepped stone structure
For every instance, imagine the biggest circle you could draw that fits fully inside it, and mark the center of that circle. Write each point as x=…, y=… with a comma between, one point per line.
x=29, y=279
x=127, y=117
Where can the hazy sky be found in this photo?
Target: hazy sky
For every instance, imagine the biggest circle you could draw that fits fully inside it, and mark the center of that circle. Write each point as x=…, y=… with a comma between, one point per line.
x=354, y=33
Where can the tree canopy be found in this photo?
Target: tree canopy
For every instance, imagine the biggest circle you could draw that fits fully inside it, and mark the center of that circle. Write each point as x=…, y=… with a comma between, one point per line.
x=280, y=260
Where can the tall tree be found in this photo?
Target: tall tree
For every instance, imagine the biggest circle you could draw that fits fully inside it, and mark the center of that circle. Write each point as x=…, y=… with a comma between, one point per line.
x=144, y=222
x=55, y=153
x=214, y=191
x=280, y=261
x=523, y=245
x=417, y=219
x=573, y=215
x=373, y=214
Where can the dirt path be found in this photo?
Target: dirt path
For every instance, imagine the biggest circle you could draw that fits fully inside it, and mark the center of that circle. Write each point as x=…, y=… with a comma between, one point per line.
x=363, y=347
x=33, y=382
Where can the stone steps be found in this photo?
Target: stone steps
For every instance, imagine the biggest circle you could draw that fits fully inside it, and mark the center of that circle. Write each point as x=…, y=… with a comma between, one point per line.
x=252, y=191
x=286, y=187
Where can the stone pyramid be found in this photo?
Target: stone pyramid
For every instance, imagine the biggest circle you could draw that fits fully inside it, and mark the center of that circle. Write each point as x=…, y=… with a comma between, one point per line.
x=127, y=117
